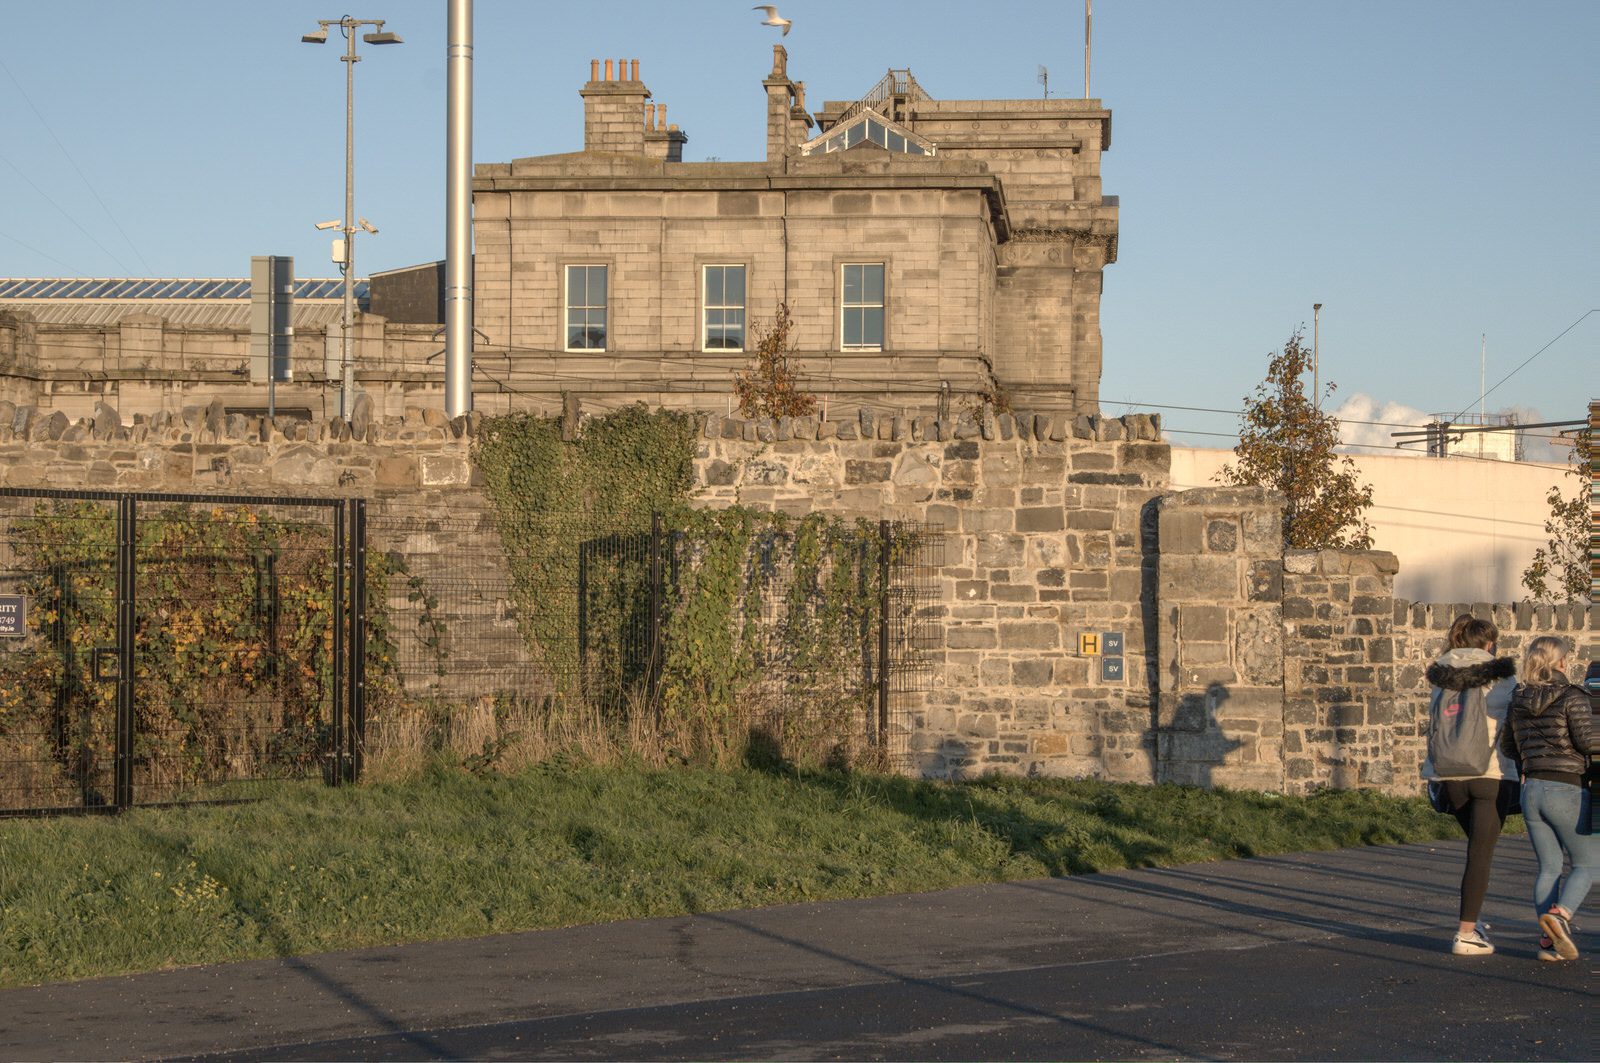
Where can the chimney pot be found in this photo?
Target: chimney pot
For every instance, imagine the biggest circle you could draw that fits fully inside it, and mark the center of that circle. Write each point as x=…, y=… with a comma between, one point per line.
x=634, y=71
x=594, y=70
x=649, y=116
x=661, y=115
x=622, y=70
x=608, y=71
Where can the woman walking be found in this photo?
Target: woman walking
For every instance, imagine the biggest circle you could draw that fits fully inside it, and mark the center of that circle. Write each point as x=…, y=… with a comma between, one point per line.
x=1549, y=733
x=1470, y=696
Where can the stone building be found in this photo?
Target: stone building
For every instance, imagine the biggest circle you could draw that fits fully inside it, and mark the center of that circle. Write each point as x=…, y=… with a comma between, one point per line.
x=925, y=248
x=933, y=253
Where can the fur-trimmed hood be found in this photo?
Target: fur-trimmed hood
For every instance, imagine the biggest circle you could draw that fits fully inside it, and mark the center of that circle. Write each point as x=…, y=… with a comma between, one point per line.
x=1452, y=672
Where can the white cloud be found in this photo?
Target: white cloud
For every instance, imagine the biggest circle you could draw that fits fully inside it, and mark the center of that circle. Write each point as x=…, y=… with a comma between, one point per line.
x=1365, y=424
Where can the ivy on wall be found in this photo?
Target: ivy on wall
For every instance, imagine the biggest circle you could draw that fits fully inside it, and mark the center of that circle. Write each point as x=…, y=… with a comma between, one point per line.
x=233, y=649
x=763, y=619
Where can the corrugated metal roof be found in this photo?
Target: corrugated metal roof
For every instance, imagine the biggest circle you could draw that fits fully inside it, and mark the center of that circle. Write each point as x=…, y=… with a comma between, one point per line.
x=203, y=302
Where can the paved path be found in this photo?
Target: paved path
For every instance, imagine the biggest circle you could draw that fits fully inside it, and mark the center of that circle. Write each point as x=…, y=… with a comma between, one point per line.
x=1336, y=955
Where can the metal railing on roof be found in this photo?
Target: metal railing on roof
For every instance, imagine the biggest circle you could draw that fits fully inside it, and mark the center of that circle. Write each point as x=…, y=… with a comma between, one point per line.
x=894, y=83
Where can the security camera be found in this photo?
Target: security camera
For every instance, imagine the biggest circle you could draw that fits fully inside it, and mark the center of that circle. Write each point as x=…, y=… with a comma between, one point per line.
x=334, y=224
x=367, y=225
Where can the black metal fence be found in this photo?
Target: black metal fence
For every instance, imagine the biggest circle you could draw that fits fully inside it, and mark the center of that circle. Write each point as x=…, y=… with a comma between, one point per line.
x=161, y=648
x=589, y=631
x=172, y=647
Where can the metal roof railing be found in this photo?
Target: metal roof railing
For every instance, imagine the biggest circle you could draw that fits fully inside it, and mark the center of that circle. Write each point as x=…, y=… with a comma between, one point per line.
x=894, y=83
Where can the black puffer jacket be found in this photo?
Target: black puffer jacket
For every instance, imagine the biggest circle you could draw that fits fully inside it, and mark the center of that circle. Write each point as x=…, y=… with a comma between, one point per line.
x=1548, y=728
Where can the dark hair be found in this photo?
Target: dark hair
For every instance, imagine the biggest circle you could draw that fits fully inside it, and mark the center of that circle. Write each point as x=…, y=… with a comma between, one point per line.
x=1469, y=631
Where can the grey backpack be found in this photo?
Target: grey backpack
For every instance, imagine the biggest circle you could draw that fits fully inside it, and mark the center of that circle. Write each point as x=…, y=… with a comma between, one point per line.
x=1458, y=741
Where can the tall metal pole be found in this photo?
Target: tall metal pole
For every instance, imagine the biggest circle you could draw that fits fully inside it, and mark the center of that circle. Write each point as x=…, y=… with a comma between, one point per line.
x=347, y=369
x=1316, y=353
x=458, y=216
x=1088, y=20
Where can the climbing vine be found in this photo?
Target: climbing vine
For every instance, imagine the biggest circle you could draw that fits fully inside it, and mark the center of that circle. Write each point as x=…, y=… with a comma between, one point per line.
x=762, y=620
x=233, y=636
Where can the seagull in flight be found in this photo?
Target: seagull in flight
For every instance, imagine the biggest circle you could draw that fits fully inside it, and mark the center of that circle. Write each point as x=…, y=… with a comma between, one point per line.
x=772, y=18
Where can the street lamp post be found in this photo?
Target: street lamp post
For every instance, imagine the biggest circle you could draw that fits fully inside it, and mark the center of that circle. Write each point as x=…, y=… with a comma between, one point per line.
x=348, y=27
x=1316, y=352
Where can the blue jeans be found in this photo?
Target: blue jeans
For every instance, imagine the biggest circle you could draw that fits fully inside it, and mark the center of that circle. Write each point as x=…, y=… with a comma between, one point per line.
x=1555, y=812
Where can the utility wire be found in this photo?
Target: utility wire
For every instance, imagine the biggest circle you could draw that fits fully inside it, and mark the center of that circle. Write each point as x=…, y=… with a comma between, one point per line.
x=74, y=163
x=1525, y=361
x=42, y=254
x=64, y=214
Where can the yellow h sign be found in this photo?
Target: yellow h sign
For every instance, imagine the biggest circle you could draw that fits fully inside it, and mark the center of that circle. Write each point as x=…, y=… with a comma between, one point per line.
x=1089, y=644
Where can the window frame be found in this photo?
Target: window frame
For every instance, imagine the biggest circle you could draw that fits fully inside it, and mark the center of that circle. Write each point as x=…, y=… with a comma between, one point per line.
x=882, y=307
x=567, y=307
x=706, y=308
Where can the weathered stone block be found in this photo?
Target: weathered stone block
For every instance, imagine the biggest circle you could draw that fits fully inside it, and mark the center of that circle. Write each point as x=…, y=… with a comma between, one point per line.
x=1041, y=519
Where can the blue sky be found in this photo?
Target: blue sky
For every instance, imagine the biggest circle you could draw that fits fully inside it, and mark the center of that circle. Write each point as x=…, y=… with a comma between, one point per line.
x=1425, y=169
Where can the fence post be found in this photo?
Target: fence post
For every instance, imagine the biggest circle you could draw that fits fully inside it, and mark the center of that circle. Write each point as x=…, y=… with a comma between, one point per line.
x=358, y=638
x=127, y=540
x=338, y=616
x=885, y=542
x=653, y=625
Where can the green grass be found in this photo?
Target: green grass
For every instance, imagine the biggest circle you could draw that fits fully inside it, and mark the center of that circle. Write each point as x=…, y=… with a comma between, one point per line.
x=452, y=855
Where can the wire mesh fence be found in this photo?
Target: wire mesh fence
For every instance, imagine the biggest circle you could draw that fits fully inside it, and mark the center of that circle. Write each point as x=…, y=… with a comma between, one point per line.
x=233, y=646
x=167, y=647
x=58, y=572
x=161, y=648
x=674, y=636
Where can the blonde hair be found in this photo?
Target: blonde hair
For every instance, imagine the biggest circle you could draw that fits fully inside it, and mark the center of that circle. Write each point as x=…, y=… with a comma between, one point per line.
x=1544, y=660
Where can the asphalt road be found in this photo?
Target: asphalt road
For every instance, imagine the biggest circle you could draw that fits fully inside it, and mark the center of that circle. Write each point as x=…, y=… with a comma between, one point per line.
x=1340, y=955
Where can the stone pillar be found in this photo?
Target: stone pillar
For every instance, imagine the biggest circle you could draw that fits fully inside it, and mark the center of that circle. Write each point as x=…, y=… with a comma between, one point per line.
x=1219, y=717
x=140, y=342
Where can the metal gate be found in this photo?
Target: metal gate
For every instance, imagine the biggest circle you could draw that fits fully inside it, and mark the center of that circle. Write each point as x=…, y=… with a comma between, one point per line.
x=162, y=648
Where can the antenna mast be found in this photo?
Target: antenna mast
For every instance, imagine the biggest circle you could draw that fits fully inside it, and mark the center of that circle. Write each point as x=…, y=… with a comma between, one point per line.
x=1088, y=20
x=1044, y=79
x=1483, y=362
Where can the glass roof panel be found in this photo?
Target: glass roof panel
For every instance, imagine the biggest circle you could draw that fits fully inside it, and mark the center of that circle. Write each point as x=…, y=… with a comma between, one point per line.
x=868, y=125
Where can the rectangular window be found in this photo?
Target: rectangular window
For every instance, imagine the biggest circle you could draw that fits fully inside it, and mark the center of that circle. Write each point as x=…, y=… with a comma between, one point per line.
x=861, y=327
x=724, y=308
x=586, y=308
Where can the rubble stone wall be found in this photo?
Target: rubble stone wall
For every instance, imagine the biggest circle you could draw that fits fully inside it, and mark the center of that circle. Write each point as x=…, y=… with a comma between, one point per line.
x=1242, y=665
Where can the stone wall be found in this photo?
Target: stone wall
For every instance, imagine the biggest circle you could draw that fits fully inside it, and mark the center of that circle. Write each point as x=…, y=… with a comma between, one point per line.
x=1243, y=666
x=1046, y=536
x=1220, y=637
x=1420, y=631
x=1342, y=712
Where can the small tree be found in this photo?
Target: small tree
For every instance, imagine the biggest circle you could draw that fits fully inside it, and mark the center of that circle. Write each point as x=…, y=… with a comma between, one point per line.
x=768, y=387
x=1559, y=571
x=1288, y=445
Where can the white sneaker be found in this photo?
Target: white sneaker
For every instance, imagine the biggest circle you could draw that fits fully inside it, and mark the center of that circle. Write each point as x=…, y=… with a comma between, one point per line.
x=1476, y=943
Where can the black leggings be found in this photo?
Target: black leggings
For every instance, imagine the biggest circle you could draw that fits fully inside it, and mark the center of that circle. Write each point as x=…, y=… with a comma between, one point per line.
x=1476, y=803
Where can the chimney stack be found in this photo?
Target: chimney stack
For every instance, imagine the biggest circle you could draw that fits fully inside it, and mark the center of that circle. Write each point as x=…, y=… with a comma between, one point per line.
x=662, y=141
x=781, y=142
x=614, y=110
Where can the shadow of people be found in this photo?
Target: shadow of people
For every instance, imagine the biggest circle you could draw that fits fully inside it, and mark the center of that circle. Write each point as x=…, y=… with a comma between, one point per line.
x=1190, y=749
